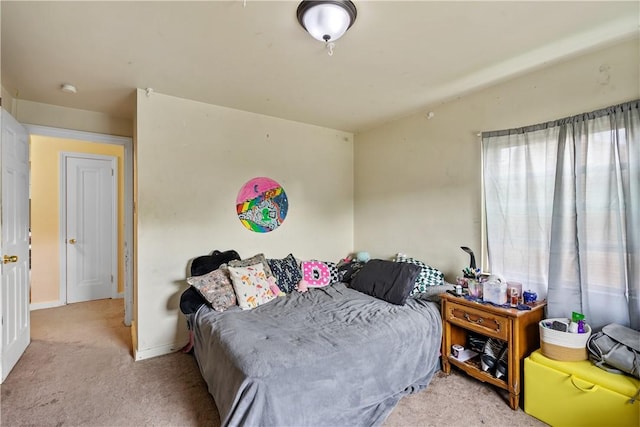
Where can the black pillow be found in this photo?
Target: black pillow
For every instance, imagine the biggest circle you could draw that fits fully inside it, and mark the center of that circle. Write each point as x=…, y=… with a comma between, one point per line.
x=387, y=280
x=207, y=263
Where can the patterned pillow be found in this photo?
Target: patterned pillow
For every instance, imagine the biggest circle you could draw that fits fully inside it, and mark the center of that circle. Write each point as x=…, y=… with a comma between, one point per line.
x=251, y=285
x=428, y=276
x=216, y=288
x=333, y=269
x=286, y=272
x=319, y=273
x=348, y=270
x=256, y=259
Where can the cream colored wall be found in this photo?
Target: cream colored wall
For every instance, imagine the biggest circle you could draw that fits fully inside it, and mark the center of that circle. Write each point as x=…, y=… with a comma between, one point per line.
x=36, y=113
x=192, y=158
x=418, y=180
x=45, y=212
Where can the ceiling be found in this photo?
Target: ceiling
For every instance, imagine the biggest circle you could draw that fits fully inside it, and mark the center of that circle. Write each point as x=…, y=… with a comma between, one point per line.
x=399, y=57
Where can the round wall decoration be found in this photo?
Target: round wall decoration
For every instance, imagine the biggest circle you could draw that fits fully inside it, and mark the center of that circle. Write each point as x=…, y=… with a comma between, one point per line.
x=262, y=205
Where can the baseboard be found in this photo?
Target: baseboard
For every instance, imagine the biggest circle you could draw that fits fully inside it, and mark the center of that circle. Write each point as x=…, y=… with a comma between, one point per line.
x=41, y=305
x=52, y=304
x=155, y=352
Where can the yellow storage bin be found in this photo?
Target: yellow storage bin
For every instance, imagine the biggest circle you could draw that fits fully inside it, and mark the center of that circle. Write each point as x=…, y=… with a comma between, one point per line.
x=575, y=394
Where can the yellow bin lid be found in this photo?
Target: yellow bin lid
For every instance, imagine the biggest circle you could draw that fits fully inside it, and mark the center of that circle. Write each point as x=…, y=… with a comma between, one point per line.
x=587, y=371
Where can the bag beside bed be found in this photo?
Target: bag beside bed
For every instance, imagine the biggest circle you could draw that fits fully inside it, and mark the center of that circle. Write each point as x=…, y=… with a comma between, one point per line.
x=616, y=349
x=191, y=300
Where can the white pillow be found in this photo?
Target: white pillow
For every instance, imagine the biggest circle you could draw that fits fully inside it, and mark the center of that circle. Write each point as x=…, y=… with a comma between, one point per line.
x=251, y=286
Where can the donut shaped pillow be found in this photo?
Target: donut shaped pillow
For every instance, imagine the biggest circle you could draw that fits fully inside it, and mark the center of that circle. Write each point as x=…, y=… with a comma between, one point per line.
x=316, y=273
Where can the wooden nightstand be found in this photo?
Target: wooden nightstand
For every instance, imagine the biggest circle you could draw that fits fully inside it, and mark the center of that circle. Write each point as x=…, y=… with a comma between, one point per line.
x=519, y=328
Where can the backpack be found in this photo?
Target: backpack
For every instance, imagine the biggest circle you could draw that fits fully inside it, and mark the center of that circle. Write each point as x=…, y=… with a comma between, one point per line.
x=616, y=349
x=191, y=299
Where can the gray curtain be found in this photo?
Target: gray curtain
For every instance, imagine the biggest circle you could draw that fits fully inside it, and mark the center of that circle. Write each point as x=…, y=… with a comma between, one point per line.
x=578, y=223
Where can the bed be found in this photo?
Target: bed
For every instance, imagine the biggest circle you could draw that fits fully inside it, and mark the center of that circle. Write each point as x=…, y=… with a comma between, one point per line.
x=332, y=356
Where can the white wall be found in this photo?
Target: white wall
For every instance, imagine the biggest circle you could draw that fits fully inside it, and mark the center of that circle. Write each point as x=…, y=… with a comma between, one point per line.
x=192, y=159
x=418, y=180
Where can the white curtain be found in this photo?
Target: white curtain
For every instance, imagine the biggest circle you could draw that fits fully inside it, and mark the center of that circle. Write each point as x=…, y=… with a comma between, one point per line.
x=563, y=212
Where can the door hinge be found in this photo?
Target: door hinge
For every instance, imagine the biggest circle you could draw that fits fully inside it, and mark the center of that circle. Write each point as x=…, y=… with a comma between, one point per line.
x=111, y=171
x=112, y=278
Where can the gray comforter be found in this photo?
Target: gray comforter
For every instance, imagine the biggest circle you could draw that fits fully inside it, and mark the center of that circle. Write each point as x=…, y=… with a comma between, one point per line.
x=331, y=356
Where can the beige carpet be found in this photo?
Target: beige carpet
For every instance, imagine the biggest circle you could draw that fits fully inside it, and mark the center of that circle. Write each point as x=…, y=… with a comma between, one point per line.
x=78, y=371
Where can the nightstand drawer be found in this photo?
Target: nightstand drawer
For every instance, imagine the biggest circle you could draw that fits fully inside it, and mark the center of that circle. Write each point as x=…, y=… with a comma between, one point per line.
x=478, y=321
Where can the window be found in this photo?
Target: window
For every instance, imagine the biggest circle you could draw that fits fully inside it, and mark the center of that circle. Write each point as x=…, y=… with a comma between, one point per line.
x=563, y=212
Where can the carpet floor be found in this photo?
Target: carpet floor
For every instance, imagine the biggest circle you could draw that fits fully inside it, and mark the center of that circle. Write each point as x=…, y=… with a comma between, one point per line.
x=79, y=371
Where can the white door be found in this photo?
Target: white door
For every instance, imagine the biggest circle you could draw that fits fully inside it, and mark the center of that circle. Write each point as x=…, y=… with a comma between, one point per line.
x=91, y=232
x=16, y=330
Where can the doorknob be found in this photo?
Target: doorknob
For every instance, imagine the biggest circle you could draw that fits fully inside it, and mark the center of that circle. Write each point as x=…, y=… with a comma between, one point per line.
x=72, y=241
x=9, y=258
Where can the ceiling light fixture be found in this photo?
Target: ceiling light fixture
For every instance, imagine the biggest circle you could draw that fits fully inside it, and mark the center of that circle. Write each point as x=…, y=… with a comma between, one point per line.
x=68, y=88
x=327, y=20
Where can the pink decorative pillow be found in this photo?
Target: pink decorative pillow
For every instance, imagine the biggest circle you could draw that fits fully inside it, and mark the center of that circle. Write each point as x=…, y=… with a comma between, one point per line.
x=316, y=273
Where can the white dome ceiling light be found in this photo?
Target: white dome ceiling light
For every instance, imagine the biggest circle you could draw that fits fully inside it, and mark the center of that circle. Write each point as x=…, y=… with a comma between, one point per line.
x=327, y=20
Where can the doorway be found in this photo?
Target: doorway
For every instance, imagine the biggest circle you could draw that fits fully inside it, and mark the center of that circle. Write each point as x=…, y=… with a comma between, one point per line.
x=48, y=275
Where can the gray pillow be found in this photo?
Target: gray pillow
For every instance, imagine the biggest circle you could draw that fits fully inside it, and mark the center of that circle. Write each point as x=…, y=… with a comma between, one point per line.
x=216, y=288
x=256, y=259
x=432, y=293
